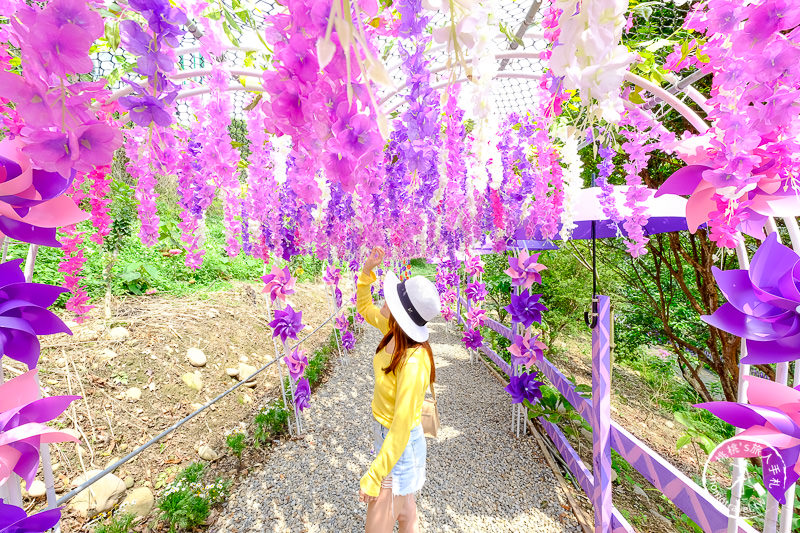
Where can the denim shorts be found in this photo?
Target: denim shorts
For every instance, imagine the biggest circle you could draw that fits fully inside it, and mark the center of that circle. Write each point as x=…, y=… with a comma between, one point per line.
x=408, y=474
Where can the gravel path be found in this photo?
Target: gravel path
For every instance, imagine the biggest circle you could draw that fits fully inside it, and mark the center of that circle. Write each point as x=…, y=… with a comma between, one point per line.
x=480, y=477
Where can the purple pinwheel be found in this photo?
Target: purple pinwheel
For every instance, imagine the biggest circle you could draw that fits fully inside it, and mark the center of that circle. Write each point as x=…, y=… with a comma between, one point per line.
x=24, y=314
x=473, y=266
x=525, y=270
x=348, y=340
x=475, y=291
x=763, y=304
x=279, y=283
x=524, y=387
x=472, y=339
x=297, y=363
x=342, y=323
x=525, y=308
x=476, y=317
x=287, y=323
x=332, y=275
x=22, y=425
x=771, y=431
x=14, y=519
x=302, y=394
x=526, y=349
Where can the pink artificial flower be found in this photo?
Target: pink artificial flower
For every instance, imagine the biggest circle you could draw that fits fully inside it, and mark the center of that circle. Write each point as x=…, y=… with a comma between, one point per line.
x=53, y=151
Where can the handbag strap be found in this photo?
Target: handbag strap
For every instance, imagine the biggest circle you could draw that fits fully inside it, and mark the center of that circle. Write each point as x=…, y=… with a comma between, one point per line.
x=433, y=392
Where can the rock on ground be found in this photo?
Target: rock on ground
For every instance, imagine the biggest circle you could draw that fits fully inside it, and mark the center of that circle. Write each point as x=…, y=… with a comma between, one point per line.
x=480, y=476
x=138, y=502
x=99, y=497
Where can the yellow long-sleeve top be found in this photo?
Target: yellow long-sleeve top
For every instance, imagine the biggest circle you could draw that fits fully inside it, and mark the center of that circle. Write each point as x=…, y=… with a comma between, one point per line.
x=398, y=396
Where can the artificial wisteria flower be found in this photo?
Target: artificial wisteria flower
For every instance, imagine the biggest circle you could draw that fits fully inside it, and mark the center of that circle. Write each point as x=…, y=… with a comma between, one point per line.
x=472, y=339
x=296, y=362
x=525, y=270
x=475, y=291
x=24, y=314
x=279, y=283
x=302, y=394
x=524, y=387
x=763, y=304
x=332, y=275
x=287, y=323
x=14, y=519
x=525, y=308
x=348, y=340
x=475, y=317
x=22, y=425
x=473, y=266
x=526, y=349
x=771, y=431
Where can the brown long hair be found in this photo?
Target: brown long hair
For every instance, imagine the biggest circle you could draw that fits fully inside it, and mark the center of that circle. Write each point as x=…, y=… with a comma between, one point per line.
x=402, y=342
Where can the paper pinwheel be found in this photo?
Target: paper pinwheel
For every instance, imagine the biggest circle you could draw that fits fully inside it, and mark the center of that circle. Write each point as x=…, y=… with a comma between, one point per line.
x=302, y=394
x=297, y=363
x=342, y=323
x=287, y=323
x=524, y=387
x=763, y=304
x=348, y=340
x=526, y=349
x=447, y=313
x=771, y=425
x=448, y=297
x=473, y=266
x=32, y=201
x=476, y=317
x=525, y=308
x=24, y=314
x=472, y=339
x=22, y=425
x=475, y=291
x=14, y=519
x=332, y=275
x=279, y=283
x=525, y=270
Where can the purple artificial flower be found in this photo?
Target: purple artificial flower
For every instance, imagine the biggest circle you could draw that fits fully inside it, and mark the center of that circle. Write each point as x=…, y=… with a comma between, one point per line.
x=287, y=323
x=348, y=340
x=524, y=387
x=24, y=314
x=297, y=363
x=145, y=109
x=302, y=394
x=331, y=275
x=472, y=339
x=525, y=308
x=525, y=270
x=53, y=151
x=763, y=304
x=337, y=296
x=475, y=291
x=14, y=519
x=279, y=283
x=30, y=97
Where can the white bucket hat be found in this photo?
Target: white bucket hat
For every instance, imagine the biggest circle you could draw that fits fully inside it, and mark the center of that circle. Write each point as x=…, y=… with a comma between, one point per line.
x=413, y=303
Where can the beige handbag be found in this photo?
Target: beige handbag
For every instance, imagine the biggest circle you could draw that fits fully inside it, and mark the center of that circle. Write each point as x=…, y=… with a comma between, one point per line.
x=430, y=416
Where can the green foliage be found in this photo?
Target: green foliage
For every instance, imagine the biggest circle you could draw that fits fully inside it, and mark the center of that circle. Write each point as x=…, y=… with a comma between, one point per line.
x=236, y=442
x=118, y=524
x=187, y=501
x=270, y=422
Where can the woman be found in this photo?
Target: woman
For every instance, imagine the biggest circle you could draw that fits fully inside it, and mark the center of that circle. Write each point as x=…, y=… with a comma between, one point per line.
x=403, y=366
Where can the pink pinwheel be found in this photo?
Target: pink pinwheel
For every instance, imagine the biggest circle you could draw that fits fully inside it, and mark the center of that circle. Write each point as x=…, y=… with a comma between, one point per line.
x=526, y=349
x=287, y=323
x=771, y=424
x=472, y=339
x=279, y=283
x=14, y=519
x=332, y=275
x=763, y=304
x=475, y=291
x=448, y=297
x=297, y=363
x=22, y=425
x=342, y=322
x=447, y=313
x=525, y=270
x=473, y=266
x=302, y=394
x=24, y=314
x=475, y=317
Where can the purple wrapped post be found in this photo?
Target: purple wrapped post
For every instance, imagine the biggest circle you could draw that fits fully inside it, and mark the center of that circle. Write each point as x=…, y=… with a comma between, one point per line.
x=601, y=415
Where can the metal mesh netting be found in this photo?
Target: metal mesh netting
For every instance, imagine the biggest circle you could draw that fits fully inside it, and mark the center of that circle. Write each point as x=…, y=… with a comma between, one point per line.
x=510, y=94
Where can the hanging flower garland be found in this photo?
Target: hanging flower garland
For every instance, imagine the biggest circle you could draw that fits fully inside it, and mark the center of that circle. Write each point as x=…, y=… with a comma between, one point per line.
x=74, y=259
x=261, y=186
x=475, y=292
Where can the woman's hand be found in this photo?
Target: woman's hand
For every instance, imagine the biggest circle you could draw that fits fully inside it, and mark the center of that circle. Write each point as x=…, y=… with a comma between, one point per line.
x=364, y=497
x=374, y=259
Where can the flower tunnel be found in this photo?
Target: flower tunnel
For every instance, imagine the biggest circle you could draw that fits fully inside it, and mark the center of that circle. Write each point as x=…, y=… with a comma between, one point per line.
x=438, y=130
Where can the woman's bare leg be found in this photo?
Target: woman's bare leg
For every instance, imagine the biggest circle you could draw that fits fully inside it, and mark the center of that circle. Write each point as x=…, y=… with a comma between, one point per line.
x=407, y=517
x=379, y=513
